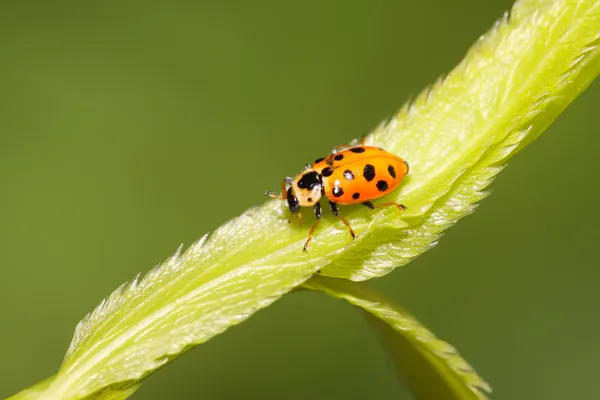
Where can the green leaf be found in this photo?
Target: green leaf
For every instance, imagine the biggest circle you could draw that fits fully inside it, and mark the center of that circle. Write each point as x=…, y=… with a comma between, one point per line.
x=456, y=136
x=432, y=368
x=34, y=392
x=115, y=392
x=119, y=391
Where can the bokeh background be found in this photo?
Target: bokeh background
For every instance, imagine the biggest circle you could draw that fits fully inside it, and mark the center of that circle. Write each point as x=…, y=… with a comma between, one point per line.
x=130, y=127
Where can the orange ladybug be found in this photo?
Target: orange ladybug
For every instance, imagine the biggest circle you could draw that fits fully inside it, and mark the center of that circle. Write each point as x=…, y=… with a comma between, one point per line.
x=354, y=174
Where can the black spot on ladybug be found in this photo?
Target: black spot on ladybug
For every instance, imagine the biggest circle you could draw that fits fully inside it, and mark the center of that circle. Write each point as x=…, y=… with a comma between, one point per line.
x=392, y=171
x=337, y=191
x=309, y=180
x=357, y=150
x=355, y=196
x=318, y=160
x=348, y=174
x=382, y=186
x=327, y=172
x=310, y=199
x=338, y=157
x=369, y=172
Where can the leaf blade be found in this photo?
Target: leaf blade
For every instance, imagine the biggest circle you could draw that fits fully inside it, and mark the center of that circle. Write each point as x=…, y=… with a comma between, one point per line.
x=433, y=368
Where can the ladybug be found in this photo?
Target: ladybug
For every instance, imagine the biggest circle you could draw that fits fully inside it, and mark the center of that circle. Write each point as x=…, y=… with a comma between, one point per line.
x=349, y=175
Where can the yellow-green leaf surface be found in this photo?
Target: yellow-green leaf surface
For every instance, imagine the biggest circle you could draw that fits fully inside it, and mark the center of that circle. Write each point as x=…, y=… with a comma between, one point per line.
x=432, y=368
x=119, y=391
x=456, y=136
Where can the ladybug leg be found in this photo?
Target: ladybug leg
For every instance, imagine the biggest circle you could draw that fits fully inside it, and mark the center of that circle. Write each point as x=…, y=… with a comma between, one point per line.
x=282, y=196
x=336, y=212
x=317, y=210
x=291, y=217
x=299, y=218
x=372, y=206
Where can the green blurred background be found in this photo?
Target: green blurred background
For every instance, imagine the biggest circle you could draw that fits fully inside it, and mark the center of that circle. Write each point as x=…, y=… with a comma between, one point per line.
x=131, y=127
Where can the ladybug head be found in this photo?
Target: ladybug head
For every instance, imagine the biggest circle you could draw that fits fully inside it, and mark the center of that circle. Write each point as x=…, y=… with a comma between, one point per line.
x=292, y=201
x=305, y=190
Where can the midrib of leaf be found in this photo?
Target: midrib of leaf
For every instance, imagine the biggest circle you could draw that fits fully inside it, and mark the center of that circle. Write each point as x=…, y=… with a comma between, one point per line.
x=453, y=140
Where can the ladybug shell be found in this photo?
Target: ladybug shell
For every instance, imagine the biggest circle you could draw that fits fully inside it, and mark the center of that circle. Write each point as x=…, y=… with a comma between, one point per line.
x=360, y=174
